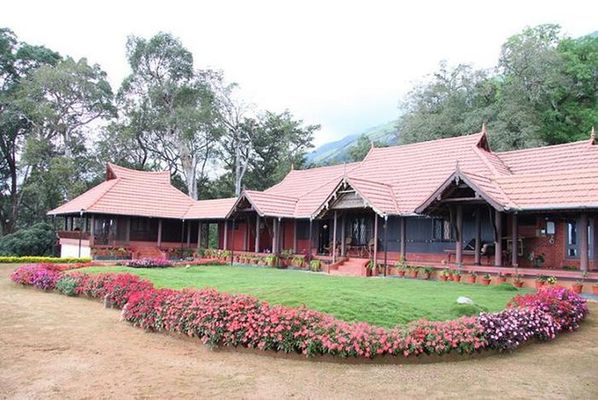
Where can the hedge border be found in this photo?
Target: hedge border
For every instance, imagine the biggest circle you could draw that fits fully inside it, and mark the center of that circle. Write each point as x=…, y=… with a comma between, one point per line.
x=40, y=259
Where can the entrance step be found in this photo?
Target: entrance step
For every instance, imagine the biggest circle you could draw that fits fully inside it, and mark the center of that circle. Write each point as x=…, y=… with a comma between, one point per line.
x=147, y=252
x=351, y=267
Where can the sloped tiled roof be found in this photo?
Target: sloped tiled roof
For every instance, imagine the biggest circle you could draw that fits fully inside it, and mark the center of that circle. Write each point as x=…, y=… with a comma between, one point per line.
x=131, y=192
x=210, y=209
x=392, y=180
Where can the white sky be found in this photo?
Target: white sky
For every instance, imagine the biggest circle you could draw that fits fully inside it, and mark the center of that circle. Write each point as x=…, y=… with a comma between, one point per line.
x=344, y=65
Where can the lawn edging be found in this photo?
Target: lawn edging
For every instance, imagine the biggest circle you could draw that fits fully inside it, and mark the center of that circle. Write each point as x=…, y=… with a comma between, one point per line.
x=240, y=321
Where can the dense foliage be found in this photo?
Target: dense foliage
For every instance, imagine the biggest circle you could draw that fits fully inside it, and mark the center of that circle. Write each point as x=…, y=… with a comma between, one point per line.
x=38, y=240
x=150, y=263
x=544, y=90
x=221, y=319
x=48, y=260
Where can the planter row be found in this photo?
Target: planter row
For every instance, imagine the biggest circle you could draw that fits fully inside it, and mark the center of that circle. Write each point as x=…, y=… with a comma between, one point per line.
x=221, y=319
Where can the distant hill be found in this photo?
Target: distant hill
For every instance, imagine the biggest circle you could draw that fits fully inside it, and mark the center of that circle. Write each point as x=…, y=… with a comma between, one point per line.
x=337, y=152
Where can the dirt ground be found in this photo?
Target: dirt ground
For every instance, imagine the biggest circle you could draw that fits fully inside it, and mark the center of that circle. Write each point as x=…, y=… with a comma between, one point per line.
x=55, y=347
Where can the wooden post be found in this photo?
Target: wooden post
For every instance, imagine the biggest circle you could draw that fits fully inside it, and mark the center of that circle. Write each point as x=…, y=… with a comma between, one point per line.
x=343, y=244
x=385, y=244
x=497, y=238
x=403, y=223
x=310, y=246
x=459, y=238
x=189, y=234
x=92, y=231
x=583, y=242
x=159, y=232
x=199, y=225
x=295, y=236
x=257, y=233
x=183, y=234
x=594, y=241
x=478, y=239
x=514, y=243
x=225, y=235
x=274, y=235
x=375, y=239
x=334, y=239
x=128, y=230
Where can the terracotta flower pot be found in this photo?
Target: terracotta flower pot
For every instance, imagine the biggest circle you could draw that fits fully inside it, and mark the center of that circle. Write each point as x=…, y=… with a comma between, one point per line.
x=500, y=280
x=577, y=288
x=539, y=284
x=413, y=274
x=595, y=289
x=518, y=284
x=456, y=278
x=470, y=279
x=401, y=272
x=442, y=278
x=486, y=281
x=426, y=276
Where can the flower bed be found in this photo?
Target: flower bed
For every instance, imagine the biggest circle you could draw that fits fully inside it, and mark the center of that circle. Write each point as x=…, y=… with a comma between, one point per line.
x=221, y=319
x=150, y=263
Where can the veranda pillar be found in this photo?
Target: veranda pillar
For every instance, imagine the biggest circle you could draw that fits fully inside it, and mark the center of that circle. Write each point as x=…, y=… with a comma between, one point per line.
x=375, y=239
x=343, y=240
x=583, y=242
x=257, y=233
x=497, y=238
x=514, y=242
x=159, y=232
x=459, y=238
x=199, y=225
x=225, y=236
x=294, y=236
x=334, y=239
x=478, y=240
x=403, y=225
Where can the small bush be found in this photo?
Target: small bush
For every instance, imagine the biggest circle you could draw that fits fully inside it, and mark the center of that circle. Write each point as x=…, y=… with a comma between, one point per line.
x=67, y=285
x=150, y=263
x=47, y=260
x=37, y=240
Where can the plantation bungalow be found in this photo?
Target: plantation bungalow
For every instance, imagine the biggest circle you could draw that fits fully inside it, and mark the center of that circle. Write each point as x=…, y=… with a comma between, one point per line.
x=443, y=202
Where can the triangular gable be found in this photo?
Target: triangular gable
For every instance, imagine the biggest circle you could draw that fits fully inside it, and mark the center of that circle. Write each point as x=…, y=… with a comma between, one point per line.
x=352, y=193
x=264, y=204
x=483, y=188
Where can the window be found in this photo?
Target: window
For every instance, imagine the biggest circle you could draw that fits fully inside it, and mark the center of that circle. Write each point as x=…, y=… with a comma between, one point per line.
x=572, y=244
x=441, y=229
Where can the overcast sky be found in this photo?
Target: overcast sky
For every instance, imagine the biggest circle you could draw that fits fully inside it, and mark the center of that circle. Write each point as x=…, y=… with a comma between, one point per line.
x=344, y=65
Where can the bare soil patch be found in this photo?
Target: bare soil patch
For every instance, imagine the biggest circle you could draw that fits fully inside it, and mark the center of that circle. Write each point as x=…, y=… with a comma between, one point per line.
x=55, y=347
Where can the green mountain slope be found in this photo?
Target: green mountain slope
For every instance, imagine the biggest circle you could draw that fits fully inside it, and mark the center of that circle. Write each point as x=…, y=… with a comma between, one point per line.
x=337, y=152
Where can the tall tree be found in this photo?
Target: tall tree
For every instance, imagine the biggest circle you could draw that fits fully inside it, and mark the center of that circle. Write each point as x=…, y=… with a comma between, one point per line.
x=360, y=149
x=17, y=61
x=169, y=108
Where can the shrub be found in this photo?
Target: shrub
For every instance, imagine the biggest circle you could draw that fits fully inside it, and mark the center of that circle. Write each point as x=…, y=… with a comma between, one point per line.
x=508, y=329
x=37, y=240
x=24, y=274
x=463, y=336
x=567, y=308
x=67, y=285
x=150, y=263
x=47, y=260
x=315, y=265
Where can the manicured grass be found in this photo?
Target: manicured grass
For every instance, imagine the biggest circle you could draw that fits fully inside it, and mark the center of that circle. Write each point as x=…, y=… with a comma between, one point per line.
x=386, y=302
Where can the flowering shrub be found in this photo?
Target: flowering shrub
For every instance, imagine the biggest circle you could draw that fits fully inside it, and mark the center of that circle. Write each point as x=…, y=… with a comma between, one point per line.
x=150, y=263
x=567, y=308
x=508, y=329
x=221, y=319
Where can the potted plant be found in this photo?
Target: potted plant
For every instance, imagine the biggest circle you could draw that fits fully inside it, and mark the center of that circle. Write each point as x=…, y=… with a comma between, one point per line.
x=577, y=287
x=444, y=275
x=595, y=288
x=540, y=281
x=486, y=279
x=501, y=278
x=456, y=276
x=471, y=277
x=551, y=280
x=517, y=281
x=315, y=265
x=425, y=272
x=413, y=270
x=401, y=267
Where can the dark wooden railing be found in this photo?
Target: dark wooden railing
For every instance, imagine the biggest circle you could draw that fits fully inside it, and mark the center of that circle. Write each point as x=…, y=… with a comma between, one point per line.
x=73, y=235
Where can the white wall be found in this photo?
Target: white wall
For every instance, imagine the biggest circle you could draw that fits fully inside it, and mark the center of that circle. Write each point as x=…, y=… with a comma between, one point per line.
x=72, y=250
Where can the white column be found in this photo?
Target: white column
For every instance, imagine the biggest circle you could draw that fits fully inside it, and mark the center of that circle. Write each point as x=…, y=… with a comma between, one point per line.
x=375, y=239
x=498, y=239
x=189, y=234
x=583, y=242
x=257, y=233
x=159, y=232
x=334, y=239
x=459, y=238
x=225, y=236
x=514, y=242
x=199, y=224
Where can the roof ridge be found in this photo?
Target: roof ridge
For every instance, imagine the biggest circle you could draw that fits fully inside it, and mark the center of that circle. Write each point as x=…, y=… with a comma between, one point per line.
x=493, y=180
x=549, y=146
x=272, y=194
x=392, y=194
x=480, y=153
x=425, y=142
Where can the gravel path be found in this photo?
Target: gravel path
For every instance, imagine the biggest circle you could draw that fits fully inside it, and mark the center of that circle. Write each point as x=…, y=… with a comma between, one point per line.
x=55, y=347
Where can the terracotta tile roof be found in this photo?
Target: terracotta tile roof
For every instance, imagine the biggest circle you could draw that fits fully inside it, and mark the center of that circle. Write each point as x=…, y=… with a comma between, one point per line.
x=210, y=209
x=130, y=192
x=393, y=180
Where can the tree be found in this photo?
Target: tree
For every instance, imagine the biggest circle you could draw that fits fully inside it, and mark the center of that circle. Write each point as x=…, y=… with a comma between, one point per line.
x=169, y=108
x=360, y=149
x=453, y=102
x=17, y=61
x=279, y=143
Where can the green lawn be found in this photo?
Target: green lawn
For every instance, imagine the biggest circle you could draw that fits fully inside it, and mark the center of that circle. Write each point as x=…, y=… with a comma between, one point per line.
x=384, y=302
